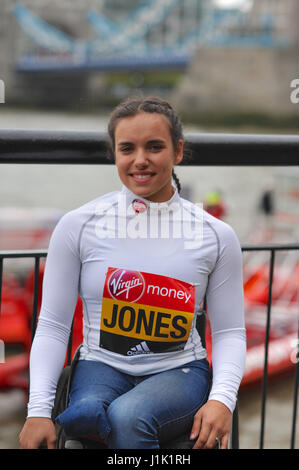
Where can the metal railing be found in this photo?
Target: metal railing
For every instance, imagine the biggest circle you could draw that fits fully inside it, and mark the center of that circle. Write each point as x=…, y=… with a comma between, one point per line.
x=36, y=255
x=272, y=249
x=48, y=147
x=73, y=147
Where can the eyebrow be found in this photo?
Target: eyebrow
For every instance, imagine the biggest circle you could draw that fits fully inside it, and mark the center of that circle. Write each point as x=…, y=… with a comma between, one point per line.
x=156, y=141
x=124, y=143
x=153, y=141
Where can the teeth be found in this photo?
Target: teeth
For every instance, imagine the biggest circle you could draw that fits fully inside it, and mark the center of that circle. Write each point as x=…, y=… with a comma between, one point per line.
x=141, y=176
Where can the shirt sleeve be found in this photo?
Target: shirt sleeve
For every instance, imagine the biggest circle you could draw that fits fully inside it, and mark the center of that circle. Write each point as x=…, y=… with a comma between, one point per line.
x=225, y=300
x=60, y=294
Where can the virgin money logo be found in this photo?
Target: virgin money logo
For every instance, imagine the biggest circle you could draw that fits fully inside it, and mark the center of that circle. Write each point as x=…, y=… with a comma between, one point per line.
x=126, y=285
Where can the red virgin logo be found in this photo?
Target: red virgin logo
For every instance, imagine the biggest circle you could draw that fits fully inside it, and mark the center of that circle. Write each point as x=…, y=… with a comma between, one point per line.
x=126, y=285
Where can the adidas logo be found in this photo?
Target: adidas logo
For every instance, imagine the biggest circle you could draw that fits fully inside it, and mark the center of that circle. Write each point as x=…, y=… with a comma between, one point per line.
x=141, y=348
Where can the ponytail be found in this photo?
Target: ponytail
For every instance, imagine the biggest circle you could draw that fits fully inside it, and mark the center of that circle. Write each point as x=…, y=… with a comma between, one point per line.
x=177, y=181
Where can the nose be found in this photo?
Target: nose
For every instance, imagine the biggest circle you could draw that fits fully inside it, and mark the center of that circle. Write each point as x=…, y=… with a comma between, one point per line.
x=141, y=160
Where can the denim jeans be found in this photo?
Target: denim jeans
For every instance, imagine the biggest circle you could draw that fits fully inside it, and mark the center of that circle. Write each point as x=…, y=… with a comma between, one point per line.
x=131, y=412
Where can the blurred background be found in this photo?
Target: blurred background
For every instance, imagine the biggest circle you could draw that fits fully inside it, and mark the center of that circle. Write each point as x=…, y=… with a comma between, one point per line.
x=226, y=65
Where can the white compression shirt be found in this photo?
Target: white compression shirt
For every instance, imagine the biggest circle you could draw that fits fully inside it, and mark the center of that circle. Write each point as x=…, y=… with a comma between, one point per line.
x=142, y=270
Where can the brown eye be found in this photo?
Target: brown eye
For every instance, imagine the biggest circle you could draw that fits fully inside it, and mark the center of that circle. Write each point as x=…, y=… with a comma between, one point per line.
x=126, y=149
x=156, y=147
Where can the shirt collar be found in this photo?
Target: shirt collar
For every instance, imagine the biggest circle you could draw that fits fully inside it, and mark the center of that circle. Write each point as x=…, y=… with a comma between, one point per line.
x=154, y=206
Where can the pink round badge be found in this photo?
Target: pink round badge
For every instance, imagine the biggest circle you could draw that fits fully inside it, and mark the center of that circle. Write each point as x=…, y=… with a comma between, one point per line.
x=139, y=206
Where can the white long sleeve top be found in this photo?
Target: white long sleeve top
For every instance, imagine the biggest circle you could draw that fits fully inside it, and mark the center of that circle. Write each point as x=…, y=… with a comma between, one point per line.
x=142, y=270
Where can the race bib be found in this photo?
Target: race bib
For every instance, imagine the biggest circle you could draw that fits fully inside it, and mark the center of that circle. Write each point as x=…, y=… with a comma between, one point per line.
x=145, y=313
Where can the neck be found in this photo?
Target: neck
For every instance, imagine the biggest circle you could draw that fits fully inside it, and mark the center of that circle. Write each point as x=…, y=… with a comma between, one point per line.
x=161, y=198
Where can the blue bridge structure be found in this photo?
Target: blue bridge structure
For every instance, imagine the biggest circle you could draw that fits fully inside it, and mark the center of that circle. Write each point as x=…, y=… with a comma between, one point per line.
x=130, y=43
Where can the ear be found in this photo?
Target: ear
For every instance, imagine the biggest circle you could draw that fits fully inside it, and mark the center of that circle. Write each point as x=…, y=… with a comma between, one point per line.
x=179, y=152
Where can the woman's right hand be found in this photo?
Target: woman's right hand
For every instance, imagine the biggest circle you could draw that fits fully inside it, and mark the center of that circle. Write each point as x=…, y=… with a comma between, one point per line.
x=38, y=431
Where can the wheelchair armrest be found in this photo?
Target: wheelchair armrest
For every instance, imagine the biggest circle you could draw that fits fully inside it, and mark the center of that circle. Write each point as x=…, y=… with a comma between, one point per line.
x=61, y=395
x=64, y=385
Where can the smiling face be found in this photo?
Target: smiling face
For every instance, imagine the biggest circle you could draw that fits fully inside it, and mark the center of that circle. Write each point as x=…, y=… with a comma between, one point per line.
x=145, y=156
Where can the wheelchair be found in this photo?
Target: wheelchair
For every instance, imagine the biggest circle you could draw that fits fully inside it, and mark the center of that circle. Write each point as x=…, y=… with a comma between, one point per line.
x=90, y=442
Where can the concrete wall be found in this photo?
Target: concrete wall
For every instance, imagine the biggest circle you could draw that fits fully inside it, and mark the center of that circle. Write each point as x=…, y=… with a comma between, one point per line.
x=228, y=80
x=239, y=80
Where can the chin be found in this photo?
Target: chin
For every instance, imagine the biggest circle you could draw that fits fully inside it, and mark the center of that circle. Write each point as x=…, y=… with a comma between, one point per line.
x=142, y=192
x=151, y=193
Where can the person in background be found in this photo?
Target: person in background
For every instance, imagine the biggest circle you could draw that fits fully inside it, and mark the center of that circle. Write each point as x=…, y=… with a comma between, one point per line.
x=266, y=209
x=214, y=204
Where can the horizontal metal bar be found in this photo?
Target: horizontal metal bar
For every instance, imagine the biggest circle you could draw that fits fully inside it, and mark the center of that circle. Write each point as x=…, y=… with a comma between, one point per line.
x=43, y=253
x=89, y=147
x=57, y=147
x=270, y=247
x=23, y=254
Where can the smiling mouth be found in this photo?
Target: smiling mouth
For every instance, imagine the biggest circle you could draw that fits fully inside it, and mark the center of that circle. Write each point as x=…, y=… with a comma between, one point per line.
x=142, y=177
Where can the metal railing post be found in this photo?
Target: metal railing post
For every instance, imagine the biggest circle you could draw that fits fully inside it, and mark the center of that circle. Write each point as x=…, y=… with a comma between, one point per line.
x=35, y=298
x=234, y=438
x=296, y=386
x=1, y=276
x=267, y=336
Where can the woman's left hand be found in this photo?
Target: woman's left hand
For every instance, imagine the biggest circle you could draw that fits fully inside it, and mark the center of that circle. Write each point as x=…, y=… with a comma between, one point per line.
x=212, y=423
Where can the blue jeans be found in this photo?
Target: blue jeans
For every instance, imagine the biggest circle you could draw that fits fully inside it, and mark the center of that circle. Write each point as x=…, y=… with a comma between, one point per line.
x=131, y=412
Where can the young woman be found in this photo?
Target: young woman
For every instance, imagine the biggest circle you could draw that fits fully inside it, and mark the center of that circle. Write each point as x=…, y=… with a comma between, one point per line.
x=142, y=260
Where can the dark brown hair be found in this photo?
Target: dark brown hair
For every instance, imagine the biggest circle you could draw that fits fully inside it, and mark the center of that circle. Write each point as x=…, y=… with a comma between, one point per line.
x=152, y=104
